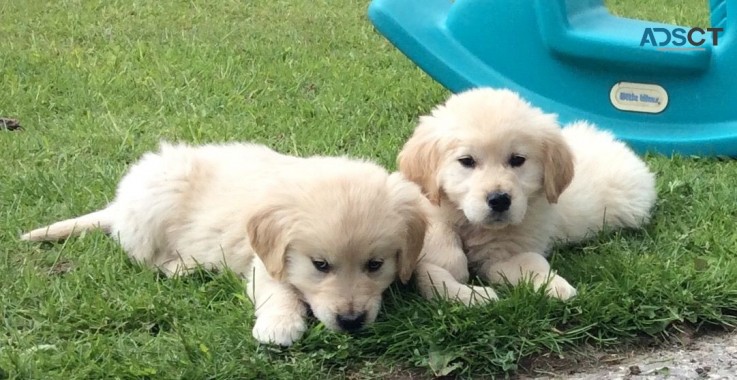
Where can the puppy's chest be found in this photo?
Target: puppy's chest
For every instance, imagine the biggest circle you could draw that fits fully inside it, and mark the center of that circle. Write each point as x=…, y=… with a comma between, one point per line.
x=482, y=244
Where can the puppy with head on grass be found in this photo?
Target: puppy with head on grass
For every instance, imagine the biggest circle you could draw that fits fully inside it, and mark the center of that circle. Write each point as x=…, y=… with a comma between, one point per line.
x=325, y=233
x=507, y=182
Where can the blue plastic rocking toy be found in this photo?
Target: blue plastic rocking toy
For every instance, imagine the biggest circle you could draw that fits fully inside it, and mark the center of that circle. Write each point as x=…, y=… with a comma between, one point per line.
x=659, y=87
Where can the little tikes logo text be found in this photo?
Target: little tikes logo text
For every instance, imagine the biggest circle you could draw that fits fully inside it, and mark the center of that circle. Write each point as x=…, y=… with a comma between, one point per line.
x=679, y=38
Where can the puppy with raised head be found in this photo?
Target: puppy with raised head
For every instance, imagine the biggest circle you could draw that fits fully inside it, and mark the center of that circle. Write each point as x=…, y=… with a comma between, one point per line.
x=507, y=182
x=328, y=233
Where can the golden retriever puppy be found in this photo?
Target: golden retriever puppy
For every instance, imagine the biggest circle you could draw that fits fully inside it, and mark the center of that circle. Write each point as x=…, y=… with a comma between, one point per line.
x=507, y=182
x=328, y=233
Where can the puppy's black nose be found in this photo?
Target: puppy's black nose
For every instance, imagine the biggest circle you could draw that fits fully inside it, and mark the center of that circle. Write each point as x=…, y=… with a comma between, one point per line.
x=499, y=201
x=351, y=323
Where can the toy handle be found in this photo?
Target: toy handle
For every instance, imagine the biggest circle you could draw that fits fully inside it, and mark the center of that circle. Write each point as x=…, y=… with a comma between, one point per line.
x=585, y=31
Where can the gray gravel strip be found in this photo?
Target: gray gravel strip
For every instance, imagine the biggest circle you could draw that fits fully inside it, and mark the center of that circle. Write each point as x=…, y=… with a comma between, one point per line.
x=706, y=357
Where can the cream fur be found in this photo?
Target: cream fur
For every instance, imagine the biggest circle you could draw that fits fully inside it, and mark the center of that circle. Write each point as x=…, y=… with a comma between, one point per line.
x=571, y=184
x=268, y=217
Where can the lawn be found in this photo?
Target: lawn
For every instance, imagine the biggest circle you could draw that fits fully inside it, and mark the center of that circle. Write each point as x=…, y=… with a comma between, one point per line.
x=97, y=83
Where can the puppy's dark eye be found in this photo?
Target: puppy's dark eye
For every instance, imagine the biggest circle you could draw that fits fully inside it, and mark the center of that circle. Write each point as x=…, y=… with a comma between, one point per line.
x=516, y=160
x=321, y=265
x=374, y=265
x=467, y=162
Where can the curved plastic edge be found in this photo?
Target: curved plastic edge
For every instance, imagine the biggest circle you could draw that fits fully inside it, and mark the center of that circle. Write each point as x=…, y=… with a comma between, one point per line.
x=416, y=28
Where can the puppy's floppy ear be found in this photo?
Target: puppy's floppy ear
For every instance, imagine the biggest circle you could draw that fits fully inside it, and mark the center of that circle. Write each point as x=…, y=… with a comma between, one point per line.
x=413, y=209
x=557, y=165
x=268, y=233
x=421, y=157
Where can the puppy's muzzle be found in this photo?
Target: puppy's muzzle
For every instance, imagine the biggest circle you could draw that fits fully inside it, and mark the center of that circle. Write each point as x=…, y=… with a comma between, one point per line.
x=499, y=201
x=351, y=323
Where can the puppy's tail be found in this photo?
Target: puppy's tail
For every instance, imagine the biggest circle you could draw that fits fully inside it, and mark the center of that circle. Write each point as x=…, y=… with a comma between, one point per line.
x=101, y=219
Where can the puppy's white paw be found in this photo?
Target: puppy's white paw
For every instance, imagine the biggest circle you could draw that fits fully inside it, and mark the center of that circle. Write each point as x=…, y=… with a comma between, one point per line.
x=281, y=329
x=475, y=295
x=559, y=288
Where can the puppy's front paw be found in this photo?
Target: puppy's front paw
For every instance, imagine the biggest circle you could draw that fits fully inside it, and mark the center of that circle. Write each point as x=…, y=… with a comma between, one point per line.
x=281, y=329
x=475, y=295
x=558, y=287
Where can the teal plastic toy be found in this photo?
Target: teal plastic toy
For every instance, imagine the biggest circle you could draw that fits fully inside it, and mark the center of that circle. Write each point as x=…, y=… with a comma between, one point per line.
x=659, y=87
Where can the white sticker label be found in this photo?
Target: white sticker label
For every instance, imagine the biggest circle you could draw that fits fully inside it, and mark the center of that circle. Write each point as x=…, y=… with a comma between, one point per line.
x=639, y=97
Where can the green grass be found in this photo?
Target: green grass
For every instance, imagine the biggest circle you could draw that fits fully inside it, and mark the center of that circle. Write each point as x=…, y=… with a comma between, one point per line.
x=96, y=83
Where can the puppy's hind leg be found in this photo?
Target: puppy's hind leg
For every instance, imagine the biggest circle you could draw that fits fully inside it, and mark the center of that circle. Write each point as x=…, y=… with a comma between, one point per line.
x=532, y=266
x=613, y=186
x=101, y=219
